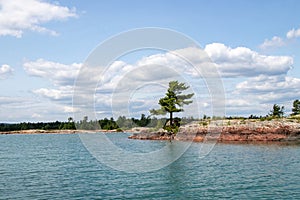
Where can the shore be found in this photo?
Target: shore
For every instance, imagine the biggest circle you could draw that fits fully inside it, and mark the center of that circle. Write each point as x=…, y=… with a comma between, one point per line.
x=279, y=130
x=276, y=130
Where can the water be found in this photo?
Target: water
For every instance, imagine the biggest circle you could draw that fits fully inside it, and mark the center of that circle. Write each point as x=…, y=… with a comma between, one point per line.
x=59, y=167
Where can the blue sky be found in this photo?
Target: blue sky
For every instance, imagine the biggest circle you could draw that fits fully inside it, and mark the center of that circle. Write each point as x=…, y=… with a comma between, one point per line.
x=44, y=43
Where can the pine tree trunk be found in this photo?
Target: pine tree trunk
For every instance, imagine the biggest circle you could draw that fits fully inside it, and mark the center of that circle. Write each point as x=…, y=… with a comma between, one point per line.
x=171, y=119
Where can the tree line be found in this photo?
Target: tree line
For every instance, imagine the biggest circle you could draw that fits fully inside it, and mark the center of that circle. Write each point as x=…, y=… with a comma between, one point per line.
x=122, y=123
x=39, y=125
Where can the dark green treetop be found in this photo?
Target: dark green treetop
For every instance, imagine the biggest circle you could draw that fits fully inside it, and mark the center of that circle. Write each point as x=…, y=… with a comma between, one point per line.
x=277, y=111
x=296, y=107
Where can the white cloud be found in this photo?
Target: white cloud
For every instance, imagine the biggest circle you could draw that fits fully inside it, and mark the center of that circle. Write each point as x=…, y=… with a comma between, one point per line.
x=10, y=108
x=256, y=95
x=36, y=116
x=294, y=33
x=6, y=101
x=135, y=88
x=59, y=74
x=62, y=76
x=70, y=109
x=270, y=84
x=269, y=90
x=5, y=71
x=16, y=16
x=62, y=93
x=237, y=103
x=242, y=61
x=160, y=68
x=278, y=41
x=120, y=76
x=23, y=109
x=274, y=42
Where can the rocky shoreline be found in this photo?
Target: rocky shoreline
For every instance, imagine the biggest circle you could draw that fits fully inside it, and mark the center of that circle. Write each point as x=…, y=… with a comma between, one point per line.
x=230, y=131
x=277, y=130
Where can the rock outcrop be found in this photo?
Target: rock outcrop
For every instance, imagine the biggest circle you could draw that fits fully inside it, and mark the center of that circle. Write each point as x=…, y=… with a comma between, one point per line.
x=231, y=130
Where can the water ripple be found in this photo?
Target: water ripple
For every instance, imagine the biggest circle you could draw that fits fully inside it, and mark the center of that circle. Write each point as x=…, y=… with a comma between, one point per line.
x=59, y=167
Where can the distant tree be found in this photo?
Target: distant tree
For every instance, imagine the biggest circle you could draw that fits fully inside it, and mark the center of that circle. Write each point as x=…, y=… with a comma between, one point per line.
x=143, y=121
x=47, y=127
x=277, y=111
x=70, y=119
x=85, y=118
x=121, y=121
x=296, y=107
x=108, y=124
x=253, y=117
x=173, y=102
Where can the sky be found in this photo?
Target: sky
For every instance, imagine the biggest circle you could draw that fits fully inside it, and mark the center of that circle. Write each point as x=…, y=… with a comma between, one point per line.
x=254, y=46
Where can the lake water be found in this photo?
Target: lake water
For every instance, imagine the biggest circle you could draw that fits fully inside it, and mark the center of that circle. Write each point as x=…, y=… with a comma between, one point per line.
x=60, y=167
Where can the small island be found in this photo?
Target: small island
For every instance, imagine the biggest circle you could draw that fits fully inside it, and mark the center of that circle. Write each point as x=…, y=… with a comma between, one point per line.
x=230, y=130
x=273, y=127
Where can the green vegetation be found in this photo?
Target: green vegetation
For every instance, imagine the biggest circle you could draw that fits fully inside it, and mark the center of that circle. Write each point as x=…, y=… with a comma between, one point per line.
x=204, y=123
x=122, y=123
x=173, y=102
x=296, y=107
x=277, y=111
x=39, y=125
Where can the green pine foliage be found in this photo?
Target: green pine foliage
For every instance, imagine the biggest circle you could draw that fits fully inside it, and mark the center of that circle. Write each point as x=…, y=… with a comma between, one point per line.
x=296, y=107
x=277, y=111
x=173, y=102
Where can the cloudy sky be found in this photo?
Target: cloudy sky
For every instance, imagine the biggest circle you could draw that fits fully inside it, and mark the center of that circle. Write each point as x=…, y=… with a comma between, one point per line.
x=43, y=45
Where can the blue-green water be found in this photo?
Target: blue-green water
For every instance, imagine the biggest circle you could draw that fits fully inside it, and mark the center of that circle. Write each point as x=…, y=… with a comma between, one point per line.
x=59, y=167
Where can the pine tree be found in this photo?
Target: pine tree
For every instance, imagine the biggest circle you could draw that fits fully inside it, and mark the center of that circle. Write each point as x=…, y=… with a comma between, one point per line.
x=277, y=111
x=296, y=107
x=173, y=102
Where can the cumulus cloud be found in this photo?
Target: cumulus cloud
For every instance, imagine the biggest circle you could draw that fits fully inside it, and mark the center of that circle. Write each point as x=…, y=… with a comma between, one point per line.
x=36, y=116
x=33, y=109
x=189, y=61
x=10, y=108
x=6, y=101
x=5, y=71
x=273, y=89
x=294, y=33
x=62, y=77
x=242, y=61
x=278, y=41
x=18, y=15
x=121, y=81
x=274, y=42
x=256, y=95
x=120, y=76
x=270, y=84
x=59, y=74
x=70, y=109
x=238, y=103
x=62, y=93
x=134, y=88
